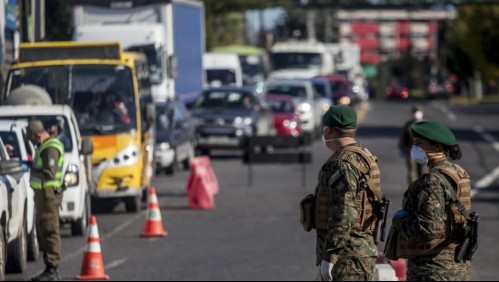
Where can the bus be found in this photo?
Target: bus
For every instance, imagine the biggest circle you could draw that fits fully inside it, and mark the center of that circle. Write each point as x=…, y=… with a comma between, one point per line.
x=109, y=91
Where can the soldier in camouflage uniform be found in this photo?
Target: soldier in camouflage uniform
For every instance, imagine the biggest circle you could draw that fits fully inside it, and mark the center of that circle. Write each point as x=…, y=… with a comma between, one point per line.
x=429, y=227
x=343, y=207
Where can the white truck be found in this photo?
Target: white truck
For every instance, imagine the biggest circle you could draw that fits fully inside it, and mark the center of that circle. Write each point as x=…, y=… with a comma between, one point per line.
x=300, y=59
x=76, y=206
x=222, y=69
x=4, y=216
x=169, y=32
x=347, y=62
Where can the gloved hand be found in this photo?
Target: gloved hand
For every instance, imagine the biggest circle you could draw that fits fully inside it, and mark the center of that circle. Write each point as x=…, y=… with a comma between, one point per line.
x=401, y=213
x=326, y=268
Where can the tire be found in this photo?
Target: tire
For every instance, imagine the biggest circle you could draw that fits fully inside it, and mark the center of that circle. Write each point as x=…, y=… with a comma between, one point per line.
x=79, y=227
x=187, y=162
x=33, y=245
x=18, y=252
x=133, y=204
x=170, y=170
x=3, y=254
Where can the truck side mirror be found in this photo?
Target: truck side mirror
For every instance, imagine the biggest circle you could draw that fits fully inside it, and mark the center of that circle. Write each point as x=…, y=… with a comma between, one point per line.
x=150, y=114
x=172, y=64
x=87, y=147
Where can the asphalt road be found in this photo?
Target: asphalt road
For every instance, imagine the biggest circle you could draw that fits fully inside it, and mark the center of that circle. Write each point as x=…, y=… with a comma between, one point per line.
x=254, y=232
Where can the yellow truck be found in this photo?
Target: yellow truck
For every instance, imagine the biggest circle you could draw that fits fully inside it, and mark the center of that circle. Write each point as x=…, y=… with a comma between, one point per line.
x=110, y=93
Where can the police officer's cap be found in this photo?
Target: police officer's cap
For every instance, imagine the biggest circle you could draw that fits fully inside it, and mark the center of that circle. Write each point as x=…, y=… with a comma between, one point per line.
x=34, y=127
x=434, y=131
x=340, y=116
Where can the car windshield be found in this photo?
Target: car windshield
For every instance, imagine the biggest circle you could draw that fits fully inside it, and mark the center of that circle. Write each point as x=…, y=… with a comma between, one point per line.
x=56, y=126
x=154, y=61
x=291, y=60
x=11, y=143
x=102, y=96
x=224, y=99
x=224, y=76
x=294, y=91
x=281, y=106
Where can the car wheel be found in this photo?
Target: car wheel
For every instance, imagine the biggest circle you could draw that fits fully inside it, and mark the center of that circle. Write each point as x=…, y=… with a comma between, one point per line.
x=18, y=252
x=204, y=152
x=133, y=204
x=187, y=162
x=79, y=226
x=3, y=254
x=170, y=170
x=33, y=246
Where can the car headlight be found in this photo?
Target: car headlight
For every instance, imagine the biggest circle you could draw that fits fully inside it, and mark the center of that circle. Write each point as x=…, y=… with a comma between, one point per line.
x=248, y=121
x=304, y=108
x=127, y=157
x=71, y=178
x=165, y=146
x=238, y=122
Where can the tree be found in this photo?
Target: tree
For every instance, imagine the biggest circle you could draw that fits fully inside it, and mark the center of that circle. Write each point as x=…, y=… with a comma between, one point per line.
x=473, y=41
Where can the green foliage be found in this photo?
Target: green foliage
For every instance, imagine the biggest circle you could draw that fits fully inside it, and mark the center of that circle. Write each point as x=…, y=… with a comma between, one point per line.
x=473, y=41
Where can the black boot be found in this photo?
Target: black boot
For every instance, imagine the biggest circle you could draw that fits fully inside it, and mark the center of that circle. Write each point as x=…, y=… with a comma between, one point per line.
x=50, y=274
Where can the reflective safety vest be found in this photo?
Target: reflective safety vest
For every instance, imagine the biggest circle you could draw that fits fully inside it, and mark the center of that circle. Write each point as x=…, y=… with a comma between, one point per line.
x=37, y=178
x=366, y=198
x=460, y=180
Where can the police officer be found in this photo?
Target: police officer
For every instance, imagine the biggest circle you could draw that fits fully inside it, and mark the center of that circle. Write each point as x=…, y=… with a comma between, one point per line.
x=349, y=185
x=414, y=170
x=430, y=227
x=47, y=181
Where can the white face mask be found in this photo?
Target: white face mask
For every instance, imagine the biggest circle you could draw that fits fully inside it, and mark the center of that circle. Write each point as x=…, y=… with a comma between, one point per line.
x=419, y=155
x=418, y=115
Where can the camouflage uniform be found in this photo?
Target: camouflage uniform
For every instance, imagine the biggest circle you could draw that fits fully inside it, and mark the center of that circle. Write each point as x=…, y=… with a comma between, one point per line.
x=353, y=252
x=426, y=202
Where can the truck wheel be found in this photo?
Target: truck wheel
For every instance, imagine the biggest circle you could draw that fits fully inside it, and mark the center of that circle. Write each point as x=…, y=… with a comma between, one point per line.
x=79, y=226
x=18, y=252
x=133, y=204
x=3, y=254
x=33, y=246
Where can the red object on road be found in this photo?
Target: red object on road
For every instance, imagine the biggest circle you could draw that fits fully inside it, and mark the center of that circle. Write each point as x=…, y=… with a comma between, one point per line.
x=202, y=185
x=154, y=223
x=93, y=266
x=286, y=120
x=398, y=265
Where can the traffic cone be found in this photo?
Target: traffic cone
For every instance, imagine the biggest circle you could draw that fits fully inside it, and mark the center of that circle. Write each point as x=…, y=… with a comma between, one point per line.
x=154, y=224
x=93, y=266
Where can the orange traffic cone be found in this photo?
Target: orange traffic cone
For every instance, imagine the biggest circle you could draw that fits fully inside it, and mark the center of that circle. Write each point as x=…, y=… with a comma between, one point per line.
x=93, y=266
x=154, y=224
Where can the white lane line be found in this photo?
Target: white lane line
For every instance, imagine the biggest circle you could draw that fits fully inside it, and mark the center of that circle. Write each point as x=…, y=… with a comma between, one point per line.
x=490, y=178
x=489, y=138
x=108, y=236
x=444, y=109
x=485, y=182
x=115, y=263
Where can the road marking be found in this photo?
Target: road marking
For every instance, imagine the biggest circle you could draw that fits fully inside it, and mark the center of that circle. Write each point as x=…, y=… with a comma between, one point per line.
x=108, y=236
x=485, y=182
x=115, y=263
x=444, y=109
x=490, y=178
x=489, y=138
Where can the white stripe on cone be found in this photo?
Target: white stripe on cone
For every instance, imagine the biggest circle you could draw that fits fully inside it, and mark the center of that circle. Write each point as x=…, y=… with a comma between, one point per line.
x=93, y=232
x=93, y=247
x=154, y=215
x=153, y=199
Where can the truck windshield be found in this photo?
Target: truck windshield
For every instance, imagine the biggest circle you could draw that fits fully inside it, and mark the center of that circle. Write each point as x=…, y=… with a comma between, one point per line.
x=102, y=96
x=224, y=76
x=290, y=60
x=154, y=61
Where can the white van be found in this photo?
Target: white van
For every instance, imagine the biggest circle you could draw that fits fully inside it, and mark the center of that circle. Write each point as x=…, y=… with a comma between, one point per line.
x=75, y=208
x=13, y=135
x=222, y=69
x=4, y=216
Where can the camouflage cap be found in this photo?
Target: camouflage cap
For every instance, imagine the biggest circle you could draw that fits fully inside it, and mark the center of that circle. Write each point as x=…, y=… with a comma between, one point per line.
x=434, y=131
x=340, y=116
x=34, y=127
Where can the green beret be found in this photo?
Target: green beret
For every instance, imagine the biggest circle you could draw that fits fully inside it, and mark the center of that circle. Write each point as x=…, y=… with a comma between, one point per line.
x=434, y=131
x=340, y=116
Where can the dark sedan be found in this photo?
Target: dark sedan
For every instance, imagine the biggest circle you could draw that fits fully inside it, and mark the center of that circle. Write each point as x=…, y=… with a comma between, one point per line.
x=175, y=136
x=226, y=116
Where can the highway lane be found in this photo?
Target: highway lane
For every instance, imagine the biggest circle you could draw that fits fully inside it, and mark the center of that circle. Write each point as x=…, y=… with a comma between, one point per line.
x=254, y=232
